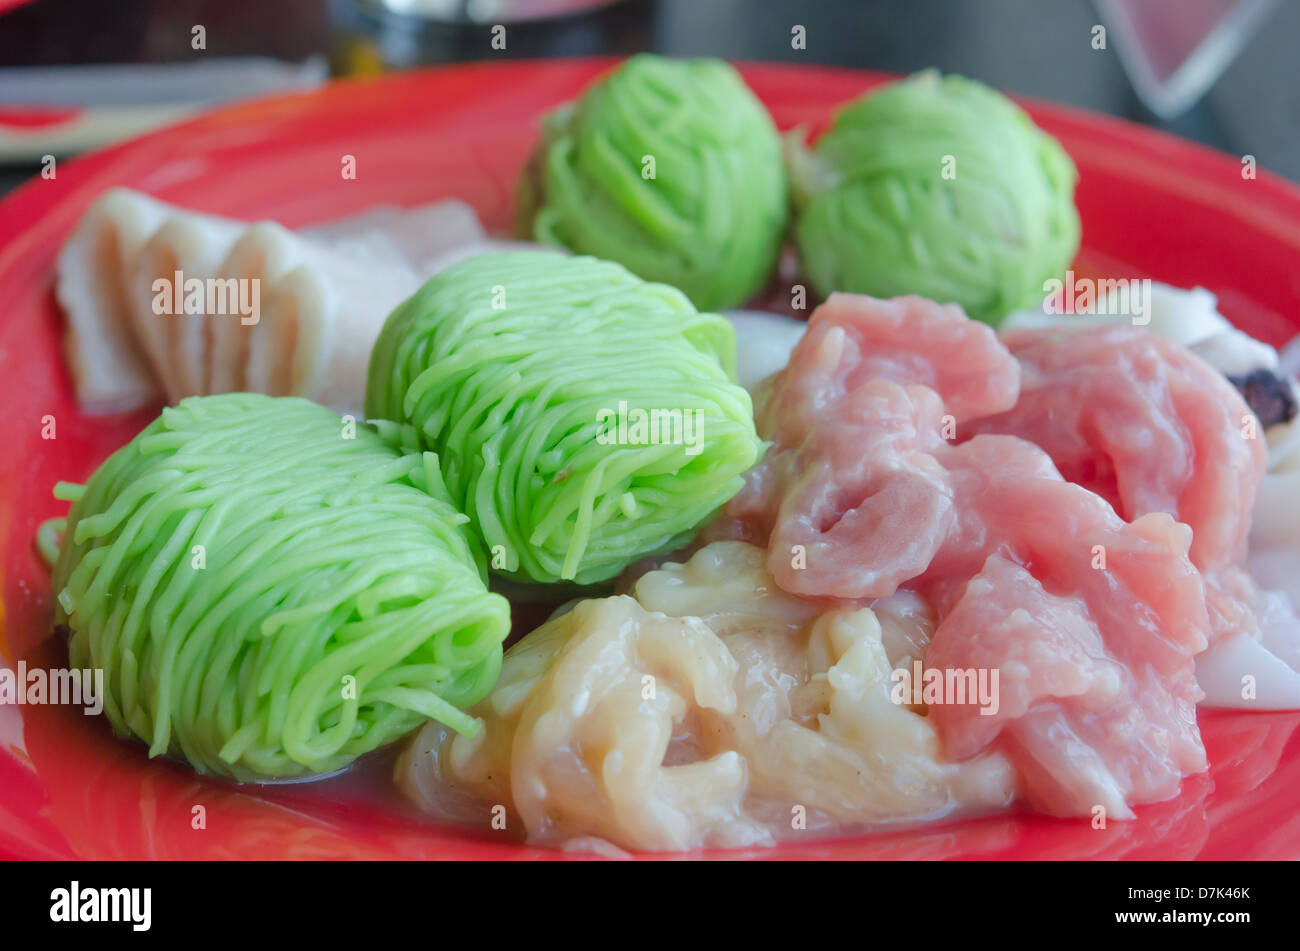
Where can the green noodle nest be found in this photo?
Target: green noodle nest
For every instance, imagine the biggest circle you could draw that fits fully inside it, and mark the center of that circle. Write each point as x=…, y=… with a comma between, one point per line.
x=271, y=591
x=711, y=219
x=507, y=365
x=937, y=186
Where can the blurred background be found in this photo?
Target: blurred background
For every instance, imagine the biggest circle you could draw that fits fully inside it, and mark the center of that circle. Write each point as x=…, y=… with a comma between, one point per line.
x=79, y=73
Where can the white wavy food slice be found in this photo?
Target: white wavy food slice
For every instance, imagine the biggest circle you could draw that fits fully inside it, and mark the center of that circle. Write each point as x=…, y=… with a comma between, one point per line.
x=463, y=252
x=318, y=324
x=1221, y=672
x=332, y=286
x=1288, y=360
x=109, y=370
x=411, y=235
x=263, y=253
x=1284, y=447
x=1183, y=316
x=1235, y=353
x=1275, y=522
x=188, y=248
x=429, y=231
x=764, y=343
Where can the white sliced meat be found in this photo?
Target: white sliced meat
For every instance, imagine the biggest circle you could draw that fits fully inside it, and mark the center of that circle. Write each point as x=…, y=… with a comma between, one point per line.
x=426, y=232
x=264, y=252
x=108, y=369
x=188, y=247
x=764, y=343
x=1289, y=358
x=1222, y=672
x=1275, y=522
x=413, y=235
x=320, y=318
x=1234, y=353
x=1185, y=317
x=322, y=297
x=428, y=268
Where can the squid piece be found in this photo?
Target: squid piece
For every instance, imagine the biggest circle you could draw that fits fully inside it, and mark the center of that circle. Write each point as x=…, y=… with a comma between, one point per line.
x=190, y=246
x=109, y=369
x=706, y=712
x=320, y=312
x=303, y=324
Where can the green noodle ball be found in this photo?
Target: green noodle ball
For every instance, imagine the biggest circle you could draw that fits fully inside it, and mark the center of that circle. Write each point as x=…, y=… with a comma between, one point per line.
x=583, y=417
x=939, y=187
x=670, y=167
x=272, y=591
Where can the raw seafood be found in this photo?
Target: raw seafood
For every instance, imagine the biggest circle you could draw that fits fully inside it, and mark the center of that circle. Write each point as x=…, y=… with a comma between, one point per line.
x=321, y=311
x=108, y=366
x=764, y=343
x=711, y=710
x=321, y=296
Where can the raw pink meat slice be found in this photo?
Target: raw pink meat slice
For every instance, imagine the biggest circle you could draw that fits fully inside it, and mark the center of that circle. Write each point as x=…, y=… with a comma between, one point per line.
x=1136, y=577
x=855, y=418
x=1083, y=729
x=1091, y=620
x=851, y=484
x=910, y=340
x=1146, y=424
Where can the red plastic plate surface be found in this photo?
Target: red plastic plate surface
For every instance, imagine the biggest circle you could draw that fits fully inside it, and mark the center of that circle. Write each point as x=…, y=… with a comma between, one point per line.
x=1152, y=206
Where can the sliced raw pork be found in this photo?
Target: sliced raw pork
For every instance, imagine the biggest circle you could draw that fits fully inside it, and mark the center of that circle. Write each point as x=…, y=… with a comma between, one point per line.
x=1153, y=427
x=1091, y=621
x=1145, y=424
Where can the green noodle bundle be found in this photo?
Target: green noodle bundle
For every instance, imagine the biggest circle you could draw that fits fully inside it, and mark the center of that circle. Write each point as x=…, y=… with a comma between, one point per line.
x=582, y=417
x=670, y=167
x=937, y=186
x=272, y=591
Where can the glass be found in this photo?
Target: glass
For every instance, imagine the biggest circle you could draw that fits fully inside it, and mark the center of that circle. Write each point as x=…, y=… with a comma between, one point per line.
x=1175, y=50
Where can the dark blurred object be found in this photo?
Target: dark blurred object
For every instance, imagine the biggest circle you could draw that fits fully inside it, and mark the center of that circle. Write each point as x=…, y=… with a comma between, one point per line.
x=77, y=32
x=1025, y=47
x=1174, y=50
x=62, y=110
x=487, y=11
x=373, y=35
x=1268, y=395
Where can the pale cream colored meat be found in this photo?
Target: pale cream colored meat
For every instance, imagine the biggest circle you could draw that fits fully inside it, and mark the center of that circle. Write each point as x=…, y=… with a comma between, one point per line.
x=187, y=247
x=320, y=312
x=712, y=710
x=109, y=371
x=302, y=321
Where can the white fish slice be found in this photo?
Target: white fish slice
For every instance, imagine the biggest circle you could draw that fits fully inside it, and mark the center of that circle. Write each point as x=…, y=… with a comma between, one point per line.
x=426, y=232
x=323, y=295
x=108, y=369
x=440, y=262
x=1276, y=519
x=413, y=235
x=188, y=246
x=1221, y=669
x=1284, y=446
x=319, y=322
x=264, y=252
x=764, y=343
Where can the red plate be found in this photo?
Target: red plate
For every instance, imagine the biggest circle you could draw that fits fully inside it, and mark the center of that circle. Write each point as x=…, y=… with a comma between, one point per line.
x=1152, y=206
